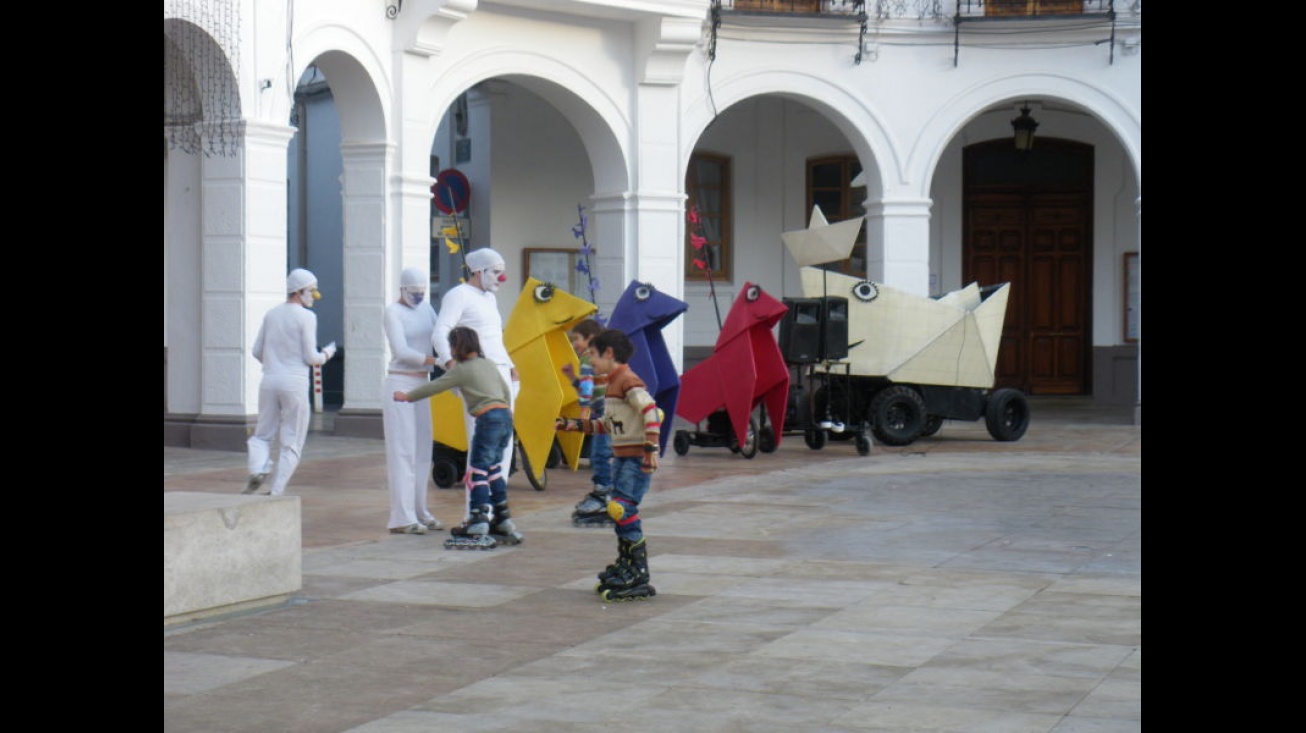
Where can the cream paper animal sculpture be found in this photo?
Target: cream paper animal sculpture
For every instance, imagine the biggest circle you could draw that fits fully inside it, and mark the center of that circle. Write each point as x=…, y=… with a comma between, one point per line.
x=951, y=340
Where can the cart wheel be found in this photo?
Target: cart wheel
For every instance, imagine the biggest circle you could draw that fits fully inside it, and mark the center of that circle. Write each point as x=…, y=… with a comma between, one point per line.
x=681, y=442
x=445, y=473
x=748, y=448
x=555, y=455
x=897, y=415
x=863, y=444
x=1007, y=414
x=766, y=441
x=814, y=438
x=540, y=482
x=932, y=425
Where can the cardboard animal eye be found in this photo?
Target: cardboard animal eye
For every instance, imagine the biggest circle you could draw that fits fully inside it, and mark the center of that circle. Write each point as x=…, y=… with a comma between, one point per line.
x=865, y=291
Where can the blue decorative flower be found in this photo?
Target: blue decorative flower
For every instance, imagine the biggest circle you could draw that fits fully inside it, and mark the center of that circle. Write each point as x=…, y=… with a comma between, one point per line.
x=583, y=261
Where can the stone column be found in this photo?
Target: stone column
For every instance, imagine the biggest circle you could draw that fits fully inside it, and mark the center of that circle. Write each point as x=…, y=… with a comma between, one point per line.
x=611, y=223
x=657, y=249
x=243, y=240
x=898, y=243
x=364, y=187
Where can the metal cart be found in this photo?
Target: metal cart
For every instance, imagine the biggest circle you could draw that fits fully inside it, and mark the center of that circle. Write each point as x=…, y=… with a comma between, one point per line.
x=823, y=406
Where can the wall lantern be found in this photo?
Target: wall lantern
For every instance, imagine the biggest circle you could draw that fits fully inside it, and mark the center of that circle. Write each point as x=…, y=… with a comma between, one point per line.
x=1024, y=126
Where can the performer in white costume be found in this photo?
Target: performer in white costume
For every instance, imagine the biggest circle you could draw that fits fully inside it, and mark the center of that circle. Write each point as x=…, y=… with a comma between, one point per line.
x=409, y=324
x=473, y=304
x=286, y=346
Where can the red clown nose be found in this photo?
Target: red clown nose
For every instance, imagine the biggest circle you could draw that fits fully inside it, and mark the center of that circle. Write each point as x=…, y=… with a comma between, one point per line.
x=503, y=278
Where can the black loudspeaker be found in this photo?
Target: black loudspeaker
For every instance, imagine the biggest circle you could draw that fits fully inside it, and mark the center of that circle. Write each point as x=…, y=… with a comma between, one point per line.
x=834, y=328
x=800, y=331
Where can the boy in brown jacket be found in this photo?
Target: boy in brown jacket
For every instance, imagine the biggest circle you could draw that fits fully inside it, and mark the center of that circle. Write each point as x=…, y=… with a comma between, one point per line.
x=634, y=422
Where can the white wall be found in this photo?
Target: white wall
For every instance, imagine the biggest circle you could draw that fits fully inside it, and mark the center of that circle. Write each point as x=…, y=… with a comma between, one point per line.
x=540, y=173
x=908, y=105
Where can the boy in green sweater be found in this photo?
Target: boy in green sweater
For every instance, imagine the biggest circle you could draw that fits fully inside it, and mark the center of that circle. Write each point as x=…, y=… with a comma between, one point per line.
x=488, y=522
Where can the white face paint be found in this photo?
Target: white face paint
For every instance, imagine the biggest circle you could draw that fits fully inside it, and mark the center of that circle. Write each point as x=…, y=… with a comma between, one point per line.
x=307, y=296
x=492, y=278
x=414, y=296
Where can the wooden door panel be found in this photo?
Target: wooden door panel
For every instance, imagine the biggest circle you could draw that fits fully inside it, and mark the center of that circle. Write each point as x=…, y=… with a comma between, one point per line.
x=1036, y=236
x=1010, y=369
x=1042, y=358
x=1058, y=309
x=1069, y=315
x=1042, y=290
x=996, y=231
x=1054, y=365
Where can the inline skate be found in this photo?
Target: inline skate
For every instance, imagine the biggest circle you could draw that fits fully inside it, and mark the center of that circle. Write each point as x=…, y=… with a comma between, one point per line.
x=627, y=579
x=502, y=530
x=473, y=533
x=592, y=511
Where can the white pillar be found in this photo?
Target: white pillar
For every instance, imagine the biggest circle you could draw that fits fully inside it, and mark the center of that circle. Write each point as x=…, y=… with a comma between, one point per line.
x=611, y=222
x=898, y=243
x=243, y=230
x=656, y=251
x=364, y=186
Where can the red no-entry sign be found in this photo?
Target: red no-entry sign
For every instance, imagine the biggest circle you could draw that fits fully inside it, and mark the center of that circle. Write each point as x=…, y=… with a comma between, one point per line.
x=451, y=191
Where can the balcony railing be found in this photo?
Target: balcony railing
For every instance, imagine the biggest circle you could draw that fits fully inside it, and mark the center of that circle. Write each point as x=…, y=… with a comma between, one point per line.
x=940, y=10
x=1082, y=19
x=790, y=7
x=1033, y=8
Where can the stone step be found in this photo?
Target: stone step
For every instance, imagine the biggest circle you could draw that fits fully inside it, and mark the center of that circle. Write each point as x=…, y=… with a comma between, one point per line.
x=226, y=553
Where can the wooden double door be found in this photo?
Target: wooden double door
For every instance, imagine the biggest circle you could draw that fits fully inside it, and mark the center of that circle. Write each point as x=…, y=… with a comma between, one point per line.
x=1028, y=220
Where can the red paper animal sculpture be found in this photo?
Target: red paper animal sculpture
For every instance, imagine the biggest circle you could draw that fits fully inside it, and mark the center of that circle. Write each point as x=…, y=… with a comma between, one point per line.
x=746, y=367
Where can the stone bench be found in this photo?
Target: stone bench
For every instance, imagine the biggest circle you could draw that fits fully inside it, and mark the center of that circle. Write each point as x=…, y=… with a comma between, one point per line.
x=228, y=552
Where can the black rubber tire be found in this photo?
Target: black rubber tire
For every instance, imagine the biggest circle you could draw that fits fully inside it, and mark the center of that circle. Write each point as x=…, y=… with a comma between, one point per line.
x=540, y=482
x=863, y=444
x=897, y=415
x=680, y=443
x=748, y=448
x=932, y=425
x=445, y=473
x=814, y=438
x=766, y=441
x=1007, y=415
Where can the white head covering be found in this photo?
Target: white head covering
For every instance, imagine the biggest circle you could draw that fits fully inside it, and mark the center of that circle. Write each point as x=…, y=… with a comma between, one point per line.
x=413, y=277
x=412, y=286
x=483, y=259
x=298, y=279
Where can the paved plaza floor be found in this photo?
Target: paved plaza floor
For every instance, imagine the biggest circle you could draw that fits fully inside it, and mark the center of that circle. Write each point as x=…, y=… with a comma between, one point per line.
x=957, y=585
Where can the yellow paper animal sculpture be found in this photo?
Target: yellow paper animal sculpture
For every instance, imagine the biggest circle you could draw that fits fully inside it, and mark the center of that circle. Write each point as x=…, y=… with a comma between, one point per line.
x=536, y=338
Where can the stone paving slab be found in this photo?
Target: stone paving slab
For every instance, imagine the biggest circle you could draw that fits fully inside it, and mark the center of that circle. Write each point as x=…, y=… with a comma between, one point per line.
x=957, y=585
